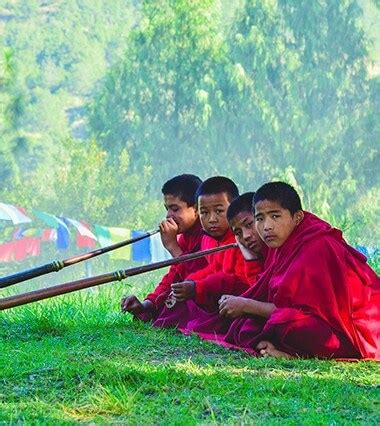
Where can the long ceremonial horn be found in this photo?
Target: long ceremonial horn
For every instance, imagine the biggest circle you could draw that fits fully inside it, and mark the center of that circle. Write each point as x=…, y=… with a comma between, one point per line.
x=57, y=265
x=45, y=293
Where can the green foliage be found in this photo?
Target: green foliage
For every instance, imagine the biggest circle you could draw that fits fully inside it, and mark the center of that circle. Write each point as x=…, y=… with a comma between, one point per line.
x=165, y=92
x=11, y=107
x=60, y=50
x=255, y=90
x=305, y=90
x=83, y=185
x=288, y=89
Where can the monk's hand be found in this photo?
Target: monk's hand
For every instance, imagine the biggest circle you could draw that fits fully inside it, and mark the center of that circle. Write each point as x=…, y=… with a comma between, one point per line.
x=247, y=253
x=232, y=306
x=169, y=232
x=224, y=297
x=132, y=305
x=184, y=290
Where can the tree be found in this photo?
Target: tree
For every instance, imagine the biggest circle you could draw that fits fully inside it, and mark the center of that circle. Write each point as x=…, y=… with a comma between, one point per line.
x=306, y=91
x=11, y=109
x=60, y=50
x=159, y=102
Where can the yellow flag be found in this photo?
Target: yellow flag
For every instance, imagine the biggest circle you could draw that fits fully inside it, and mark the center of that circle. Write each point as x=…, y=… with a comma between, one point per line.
x=117, y=235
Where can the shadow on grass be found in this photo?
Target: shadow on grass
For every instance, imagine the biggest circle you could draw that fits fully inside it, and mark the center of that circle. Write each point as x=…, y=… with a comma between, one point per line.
x=123, y=390
x=79, y=362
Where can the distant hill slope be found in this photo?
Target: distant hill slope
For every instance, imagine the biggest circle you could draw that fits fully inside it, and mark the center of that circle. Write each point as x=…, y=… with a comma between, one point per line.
x=60, y=50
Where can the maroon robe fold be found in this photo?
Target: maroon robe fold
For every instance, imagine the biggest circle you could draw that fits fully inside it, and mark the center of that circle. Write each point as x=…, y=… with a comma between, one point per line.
x=327, y=301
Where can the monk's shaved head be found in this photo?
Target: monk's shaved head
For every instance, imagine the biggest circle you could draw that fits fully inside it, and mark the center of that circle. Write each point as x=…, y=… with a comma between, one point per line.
x=243, y=203
x=280, y=192
x=218, y=185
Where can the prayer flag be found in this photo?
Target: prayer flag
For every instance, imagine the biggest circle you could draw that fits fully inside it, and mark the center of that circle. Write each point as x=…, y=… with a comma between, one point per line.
x=63, y=237
x=82, y=228
x=26, y=247
x=117, y=235
x=103, y=235
x=7, y=252
x=32, y=232
x=141, y=249
x=18, y=233
x=13, y=213
x=49, y=235
x=20, y=249
x=157, y=249
x=84, y=236
x=50, y=219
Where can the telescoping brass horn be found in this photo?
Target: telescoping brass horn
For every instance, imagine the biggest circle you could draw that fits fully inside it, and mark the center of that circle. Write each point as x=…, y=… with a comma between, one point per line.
x=57, y=265
x=46, y=293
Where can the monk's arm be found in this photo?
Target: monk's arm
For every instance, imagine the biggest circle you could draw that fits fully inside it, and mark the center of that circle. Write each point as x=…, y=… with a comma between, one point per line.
x=262, y=309
x=236, y=306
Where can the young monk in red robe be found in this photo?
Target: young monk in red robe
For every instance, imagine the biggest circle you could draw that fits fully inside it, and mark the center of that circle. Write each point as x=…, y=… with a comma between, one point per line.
x=226, y=270
x=316, y=298
x=241, y=223
x=181, y=219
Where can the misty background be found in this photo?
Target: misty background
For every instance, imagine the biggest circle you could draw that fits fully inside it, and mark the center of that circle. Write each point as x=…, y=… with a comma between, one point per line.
x=102, y=101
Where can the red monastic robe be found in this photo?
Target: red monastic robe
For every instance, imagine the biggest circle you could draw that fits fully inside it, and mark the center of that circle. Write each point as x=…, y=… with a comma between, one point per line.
x=189, y=242
x=327, y=301
x=226, y=273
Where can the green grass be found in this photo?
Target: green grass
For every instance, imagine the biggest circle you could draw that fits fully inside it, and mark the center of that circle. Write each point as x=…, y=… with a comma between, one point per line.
x=76, y=359
x=375, y=263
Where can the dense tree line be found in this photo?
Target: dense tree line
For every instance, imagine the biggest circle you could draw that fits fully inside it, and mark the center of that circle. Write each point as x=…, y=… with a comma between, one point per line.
x=255, y=90
x=284, y=92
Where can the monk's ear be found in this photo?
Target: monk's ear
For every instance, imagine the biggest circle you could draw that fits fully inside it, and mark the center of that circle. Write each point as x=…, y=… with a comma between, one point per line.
x=298, y=216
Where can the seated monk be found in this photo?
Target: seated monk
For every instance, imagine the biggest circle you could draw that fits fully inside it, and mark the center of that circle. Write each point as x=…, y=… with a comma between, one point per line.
x=226, y=270
x=316, y=298
x=241, y=224
x=181, y=233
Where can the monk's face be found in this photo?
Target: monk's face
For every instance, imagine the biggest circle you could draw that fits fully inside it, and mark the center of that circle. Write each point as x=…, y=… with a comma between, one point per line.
x=243, y=226
x=212, y=213
x=274, y=223
x=183, y=215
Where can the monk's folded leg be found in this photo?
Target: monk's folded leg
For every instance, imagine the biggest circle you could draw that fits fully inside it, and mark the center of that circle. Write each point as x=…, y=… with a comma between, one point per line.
x=311, y=337
x=265, y=348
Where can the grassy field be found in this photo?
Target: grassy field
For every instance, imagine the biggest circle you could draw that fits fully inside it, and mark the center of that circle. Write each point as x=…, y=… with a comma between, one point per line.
x=75, y=359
